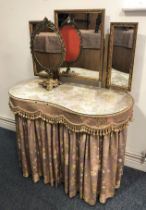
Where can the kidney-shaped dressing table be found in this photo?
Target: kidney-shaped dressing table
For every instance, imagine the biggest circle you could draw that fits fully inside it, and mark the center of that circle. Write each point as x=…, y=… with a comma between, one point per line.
x=70, y=132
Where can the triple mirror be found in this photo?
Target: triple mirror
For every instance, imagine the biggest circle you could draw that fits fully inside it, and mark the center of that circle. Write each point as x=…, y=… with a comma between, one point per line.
x=73, y=47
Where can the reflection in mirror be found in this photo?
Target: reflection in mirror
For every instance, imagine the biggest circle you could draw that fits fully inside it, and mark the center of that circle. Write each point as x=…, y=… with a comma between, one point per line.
x=90, y=27
x=72, y=41
x=121, y=54
x=47, y=48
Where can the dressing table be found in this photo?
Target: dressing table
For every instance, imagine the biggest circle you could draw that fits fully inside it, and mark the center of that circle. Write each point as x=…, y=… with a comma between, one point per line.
x=75, y=133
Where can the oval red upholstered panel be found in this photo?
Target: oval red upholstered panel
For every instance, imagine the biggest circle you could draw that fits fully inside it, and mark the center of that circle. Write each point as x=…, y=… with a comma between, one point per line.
x=71, y=41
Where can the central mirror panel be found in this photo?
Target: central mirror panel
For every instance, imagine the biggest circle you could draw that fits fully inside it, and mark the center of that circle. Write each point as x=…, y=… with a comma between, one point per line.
x=83, y=35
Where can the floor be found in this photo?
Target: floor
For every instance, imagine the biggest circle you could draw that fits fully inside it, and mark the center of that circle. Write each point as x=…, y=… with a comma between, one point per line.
x=19, y=193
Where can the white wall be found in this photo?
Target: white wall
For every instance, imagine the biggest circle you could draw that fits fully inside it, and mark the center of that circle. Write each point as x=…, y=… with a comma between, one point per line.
x=16, y=63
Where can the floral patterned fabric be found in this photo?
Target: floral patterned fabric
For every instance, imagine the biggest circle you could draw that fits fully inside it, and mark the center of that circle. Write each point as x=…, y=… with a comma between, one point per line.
x=89, y=164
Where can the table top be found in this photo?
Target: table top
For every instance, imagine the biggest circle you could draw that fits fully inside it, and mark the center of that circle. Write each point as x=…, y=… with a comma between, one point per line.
x=78, y=98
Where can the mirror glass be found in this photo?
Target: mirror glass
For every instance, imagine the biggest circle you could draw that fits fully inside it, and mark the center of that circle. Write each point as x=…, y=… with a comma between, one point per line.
x=47, y=47
x=85, y=43
x=121, y=54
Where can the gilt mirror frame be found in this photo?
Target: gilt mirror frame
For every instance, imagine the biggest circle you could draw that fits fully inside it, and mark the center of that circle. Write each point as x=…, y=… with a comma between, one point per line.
x=39, y=26
x=113, y=25
x=85, y=11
